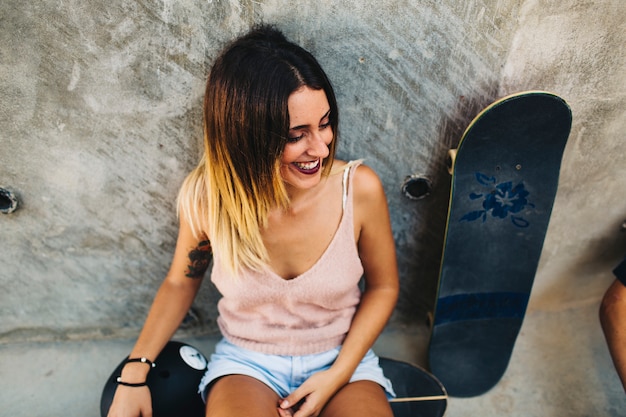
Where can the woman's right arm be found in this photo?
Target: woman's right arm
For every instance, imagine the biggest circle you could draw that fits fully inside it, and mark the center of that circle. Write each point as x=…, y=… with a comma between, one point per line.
x=171, y=303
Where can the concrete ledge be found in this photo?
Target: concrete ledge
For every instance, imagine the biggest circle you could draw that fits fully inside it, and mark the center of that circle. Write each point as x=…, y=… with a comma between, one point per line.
x=558, y=368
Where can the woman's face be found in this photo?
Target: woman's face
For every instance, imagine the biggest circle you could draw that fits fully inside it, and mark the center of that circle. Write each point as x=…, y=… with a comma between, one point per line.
x=310, y=134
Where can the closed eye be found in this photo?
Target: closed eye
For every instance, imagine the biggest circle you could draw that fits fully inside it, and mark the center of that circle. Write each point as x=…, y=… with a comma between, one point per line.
x=324, y=123
x=294, y=139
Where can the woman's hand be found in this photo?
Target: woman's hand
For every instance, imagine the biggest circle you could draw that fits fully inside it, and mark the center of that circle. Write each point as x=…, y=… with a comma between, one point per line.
x=311, y=397
x=131, y=402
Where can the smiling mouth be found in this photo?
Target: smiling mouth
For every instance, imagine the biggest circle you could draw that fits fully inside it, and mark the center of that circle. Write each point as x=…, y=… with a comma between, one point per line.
x=308, y=167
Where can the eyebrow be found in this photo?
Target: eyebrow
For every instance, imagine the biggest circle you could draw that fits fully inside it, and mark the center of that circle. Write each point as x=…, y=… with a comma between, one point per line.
x=327, y=114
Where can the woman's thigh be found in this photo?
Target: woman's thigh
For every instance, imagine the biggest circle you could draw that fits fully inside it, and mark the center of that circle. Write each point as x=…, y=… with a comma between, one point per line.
x=241, y=396
x=359, y=399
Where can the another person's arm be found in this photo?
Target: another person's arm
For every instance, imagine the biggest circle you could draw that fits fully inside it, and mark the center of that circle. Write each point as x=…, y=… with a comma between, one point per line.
x=613, y=320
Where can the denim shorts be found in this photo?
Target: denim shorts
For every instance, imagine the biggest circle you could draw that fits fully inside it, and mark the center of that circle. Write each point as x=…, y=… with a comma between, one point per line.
x=284, y=374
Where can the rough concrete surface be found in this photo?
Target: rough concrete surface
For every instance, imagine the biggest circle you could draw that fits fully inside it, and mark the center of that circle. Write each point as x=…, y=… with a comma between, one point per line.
x=102, y=123
x=101, y=119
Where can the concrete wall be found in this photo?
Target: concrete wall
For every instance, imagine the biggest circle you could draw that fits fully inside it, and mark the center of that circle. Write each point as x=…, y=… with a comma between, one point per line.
x=100, y=120
x=575, y=48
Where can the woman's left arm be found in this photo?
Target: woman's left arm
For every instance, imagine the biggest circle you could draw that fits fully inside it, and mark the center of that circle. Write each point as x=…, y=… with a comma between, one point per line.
x=378, y=255
x=377, y=252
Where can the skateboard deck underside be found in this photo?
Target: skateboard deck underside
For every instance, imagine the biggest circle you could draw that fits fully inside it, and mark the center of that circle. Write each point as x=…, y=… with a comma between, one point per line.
x=418, y=392
x=505, y=177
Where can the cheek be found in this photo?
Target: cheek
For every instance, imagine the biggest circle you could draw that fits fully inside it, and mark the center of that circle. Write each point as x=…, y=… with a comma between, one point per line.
x=290, y=153
x=328, y=136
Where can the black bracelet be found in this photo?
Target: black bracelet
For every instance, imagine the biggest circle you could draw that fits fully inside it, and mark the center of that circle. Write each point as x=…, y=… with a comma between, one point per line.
x=130, y=384
x=142, y=360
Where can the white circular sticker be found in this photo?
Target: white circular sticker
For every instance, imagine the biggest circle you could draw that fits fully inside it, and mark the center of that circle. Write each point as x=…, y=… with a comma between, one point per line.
x=193, y=358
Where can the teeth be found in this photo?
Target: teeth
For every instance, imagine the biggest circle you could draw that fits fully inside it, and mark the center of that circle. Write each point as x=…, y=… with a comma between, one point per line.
x=307, y=165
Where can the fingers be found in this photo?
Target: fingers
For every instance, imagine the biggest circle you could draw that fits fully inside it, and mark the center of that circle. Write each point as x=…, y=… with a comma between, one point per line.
x=294, y=406
x=306, y=411
x=284, y=412
x=293, y=400
x=303, y=408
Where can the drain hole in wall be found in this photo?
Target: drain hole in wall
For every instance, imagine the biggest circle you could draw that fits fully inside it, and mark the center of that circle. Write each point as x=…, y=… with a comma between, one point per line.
x=416, y=187
x=8, y=202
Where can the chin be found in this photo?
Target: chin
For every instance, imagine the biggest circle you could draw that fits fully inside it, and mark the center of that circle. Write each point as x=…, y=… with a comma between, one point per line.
x=296, y=179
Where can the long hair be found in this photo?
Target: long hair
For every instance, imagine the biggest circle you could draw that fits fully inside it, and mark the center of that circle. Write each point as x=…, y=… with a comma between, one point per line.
x=230, y=193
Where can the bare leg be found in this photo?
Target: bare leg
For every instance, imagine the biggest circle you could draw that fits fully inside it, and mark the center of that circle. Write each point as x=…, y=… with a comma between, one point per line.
x=241, y=396
x=359, y=399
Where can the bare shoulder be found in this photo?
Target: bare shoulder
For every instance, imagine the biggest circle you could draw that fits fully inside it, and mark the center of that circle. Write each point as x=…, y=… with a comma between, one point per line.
x=367, y=184
x=370, y=202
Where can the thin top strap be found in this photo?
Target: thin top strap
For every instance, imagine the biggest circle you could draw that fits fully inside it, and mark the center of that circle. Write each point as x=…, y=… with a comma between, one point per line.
x=346, y=176
x=344, y=198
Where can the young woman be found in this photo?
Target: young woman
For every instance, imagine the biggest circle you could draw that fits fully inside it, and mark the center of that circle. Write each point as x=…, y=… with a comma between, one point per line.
x=291, y=232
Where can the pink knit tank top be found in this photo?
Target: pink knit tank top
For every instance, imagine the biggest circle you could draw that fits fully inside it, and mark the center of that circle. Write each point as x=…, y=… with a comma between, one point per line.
x=308, y=314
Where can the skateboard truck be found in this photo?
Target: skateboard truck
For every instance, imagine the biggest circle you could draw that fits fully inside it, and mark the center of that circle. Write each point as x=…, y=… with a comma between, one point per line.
x=450, y=160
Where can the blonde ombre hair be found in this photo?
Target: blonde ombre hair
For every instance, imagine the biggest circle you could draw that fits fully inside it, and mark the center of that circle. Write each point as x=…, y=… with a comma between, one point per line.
x=229, y=195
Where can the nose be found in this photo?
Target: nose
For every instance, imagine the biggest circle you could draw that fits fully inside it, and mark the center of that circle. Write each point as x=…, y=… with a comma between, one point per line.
x=318, y=144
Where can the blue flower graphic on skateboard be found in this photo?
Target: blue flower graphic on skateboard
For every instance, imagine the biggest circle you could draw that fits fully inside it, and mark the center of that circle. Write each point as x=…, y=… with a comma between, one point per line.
x=501, y=200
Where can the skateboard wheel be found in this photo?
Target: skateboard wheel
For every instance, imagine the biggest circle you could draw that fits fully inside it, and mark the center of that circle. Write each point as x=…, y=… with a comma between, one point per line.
x=416, y=187
x=450, y=160
x=8, y=201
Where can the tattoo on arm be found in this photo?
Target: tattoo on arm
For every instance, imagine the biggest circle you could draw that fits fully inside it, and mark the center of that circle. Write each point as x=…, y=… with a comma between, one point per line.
x=199, y=259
